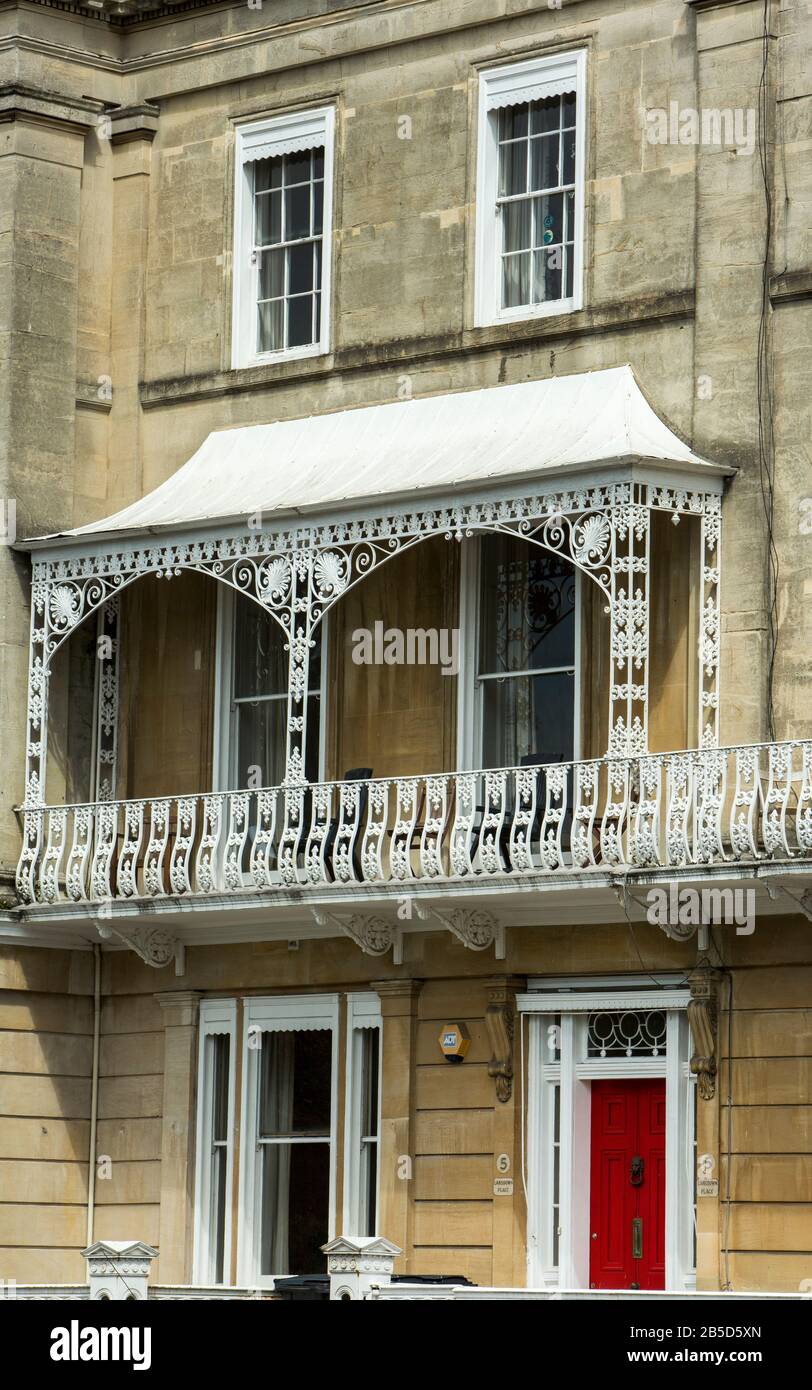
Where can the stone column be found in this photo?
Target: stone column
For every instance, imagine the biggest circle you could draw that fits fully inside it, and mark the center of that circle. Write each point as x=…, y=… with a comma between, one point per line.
x=180, y=1010
x=399, y=999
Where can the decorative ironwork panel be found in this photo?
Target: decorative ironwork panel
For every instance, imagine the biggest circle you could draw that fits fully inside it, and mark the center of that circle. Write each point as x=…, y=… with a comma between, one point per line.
x=631, y=1033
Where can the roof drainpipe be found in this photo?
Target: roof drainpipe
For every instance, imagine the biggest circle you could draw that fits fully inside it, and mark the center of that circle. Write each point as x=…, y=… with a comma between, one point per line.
x=94, y=1093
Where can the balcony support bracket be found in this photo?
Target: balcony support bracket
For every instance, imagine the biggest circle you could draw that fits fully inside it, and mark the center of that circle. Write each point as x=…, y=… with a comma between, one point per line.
x=474, y=927
x=154, y=946
x=374, y=935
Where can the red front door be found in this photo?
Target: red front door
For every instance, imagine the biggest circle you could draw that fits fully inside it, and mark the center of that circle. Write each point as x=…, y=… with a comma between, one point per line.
x=627, y=1198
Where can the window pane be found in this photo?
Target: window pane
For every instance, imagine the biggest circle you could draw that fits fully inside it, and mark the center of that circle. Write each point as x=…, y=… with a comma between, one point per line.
x=318, y=164
x=513, y=168
x=219, y=1194
x=513, y=121
x=267, y=174
x=297, y=212
x=260, y=659
x=517, y=225
x=545, y=115
x=548, y=217
x=269, y=218
x=548, y=266
x=544, y=161
x=220, y=1043
x=295, y=1207
x=300, y=320
x=569, y=261
x=297, y=168
x=271, y=325
x=568, y=109
x=369, y=1081
x=568, y=142
x=527, y=598
x=318, y=208
x=516, y=281
x=528, y=716
x=570, y=211
x=300, y=274
x=271, y=274
x=260, y=753
x=295, y=1083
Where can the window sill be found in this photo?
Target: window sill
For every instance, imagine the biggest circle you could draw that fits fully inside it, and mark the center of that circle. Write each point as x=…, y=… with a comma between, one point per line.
x=278, y=359
x=528, y=313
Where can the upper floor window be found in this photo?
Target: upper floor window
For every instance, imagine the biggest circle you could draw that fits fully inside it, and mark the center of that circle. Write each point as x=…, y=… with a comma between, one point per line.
x=530, y=189
x=282, y=229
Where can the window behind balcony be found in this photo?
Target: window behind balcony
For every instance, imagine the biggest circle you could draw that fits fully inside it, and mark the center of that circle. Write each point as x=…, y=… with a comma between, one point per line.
x=527, y=653
x=258, y=704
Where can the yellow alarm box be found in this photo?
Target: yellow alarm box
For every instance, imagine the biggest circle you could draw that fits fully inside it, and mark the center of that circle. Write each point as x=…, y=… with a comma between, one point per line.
x=455, y=1041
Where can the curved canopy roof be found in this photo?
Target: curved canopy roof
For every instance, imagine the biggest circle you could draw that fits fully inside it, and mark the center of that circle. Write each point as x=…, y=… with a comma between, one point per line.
x=412, y=449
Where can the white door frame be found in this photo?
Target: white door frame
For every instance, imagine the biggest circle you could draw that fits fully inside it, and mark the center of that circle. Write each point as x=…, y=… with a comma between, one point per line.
x=569, y=1067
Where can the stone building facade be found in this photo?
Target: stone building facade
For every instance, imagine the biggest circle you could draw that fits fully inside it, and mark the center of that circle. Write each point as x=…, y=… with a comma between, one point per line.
x=231, y=975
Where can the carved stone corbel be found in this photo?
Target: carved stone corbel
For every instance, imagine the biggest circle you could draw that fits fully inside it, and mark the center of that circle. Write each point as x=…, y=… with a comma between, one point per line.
x=500, y=1015
x=476, y=928
x=154, y=945
x=374, y=935
x=703, y=1017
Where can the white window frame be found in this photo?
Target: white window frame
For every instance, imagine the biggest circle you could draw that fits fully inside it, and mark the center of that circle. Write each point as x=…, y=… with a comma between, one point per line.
x=572, y=1002
x=283, y=134
x=531, y=80
x=225, y=727
x=280, y=1014
x=363, y=1013
x=469, y=685
x=217, y=1017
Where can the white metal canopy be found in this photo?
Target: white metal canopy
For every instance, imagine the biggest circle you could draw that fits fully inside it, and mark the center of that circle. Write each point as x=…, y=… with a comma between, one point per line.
x=460, y=440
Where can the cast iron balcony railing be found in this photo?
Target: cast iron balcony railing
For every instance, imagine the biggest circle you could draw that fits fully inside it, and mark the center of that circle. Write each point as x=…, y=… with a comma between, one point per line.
x=669, y=810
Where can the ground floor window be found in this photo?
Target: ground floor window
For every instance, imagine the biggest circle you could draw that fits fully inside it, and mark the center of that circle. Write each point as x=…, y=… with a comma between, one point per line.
x=610, y=1150
x=362, y=1115
x=297, y=1108
x=215, y=1140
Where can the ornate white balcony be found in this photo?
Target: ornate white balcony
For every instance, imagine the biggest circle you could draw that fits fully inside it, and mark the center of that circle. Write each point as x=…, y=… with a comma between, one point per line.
x=671, y=810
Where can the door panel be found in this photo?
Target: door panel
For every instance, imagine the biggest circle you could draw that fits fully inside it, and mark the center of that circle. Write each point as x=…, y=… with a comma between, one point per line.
x=627, y=1200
